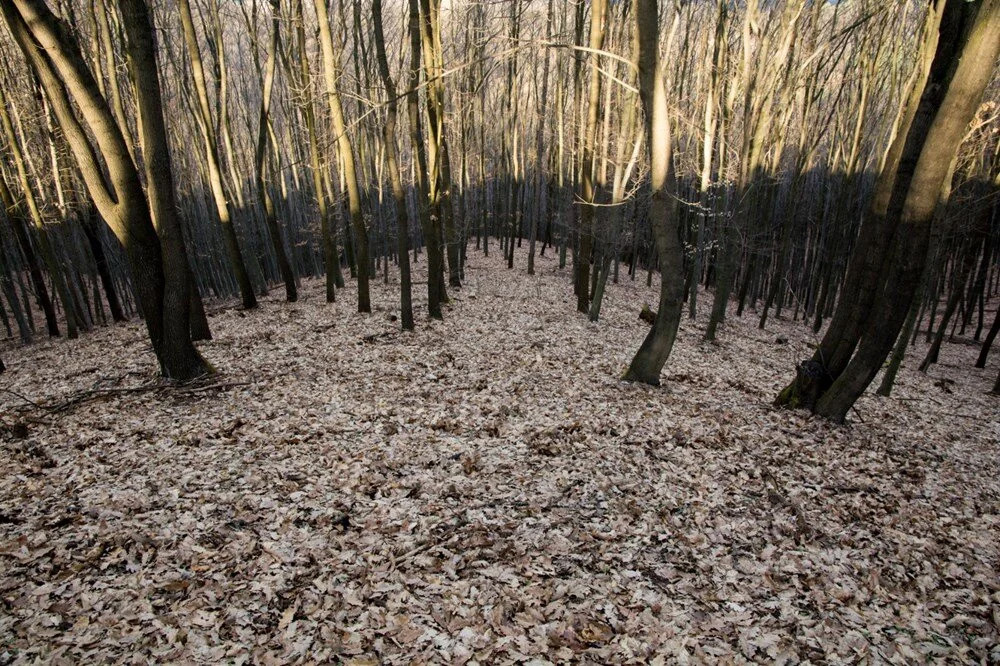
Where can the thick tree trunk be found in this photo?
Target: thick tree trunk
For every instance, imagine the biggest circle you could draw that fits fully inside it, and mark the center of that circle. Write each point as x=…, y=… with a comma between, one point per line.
x=970, y=36
x=178, y=357
x=868, y=269
x=55, y=57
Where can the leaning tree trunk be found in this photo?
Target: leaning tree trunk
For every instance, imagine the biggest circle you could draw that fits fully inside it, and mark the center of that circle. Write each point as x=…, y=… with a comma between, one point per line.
x=866, y=269
x=55, y=57
x=984, y=351
x=655, y=349
x=970, y=36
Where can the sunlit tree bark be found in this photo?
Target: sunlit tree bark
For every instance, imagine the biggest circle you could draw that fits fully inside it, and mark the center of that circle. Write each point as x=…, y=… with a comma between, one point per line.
x=210, y=140
x=652, y=355
x=331, y=69
x=261, y=161
x=55, y=58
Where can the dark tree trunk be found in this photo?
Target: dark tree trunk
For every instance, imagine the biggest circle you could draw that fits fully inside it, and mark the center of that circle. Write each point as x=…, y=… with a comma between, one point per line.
x=20, y=226
x=949, y=101
x=891, y=251
x=988, y=342
x=90, y=229
x=655, y=349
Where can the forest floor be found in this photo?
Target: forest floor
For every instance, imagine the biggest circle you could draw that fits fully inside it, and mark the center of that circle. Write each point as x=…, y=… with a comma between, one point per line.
x=486, y=490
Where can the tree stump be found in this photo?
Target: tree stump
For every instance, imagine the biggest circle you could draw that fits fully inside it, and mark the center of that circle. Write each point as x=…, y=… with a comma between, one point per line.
x=810, y=376
x=647, y=315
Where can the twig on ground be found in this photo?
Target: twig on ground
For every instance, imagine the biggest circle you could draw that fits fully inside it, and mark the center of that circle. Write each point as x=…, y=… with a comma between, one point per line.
x=96, y=393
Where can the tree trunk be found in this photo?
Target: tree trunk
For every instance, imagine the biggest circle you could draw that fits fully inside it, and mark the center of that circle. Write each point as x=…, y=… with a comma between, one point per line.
x=431, y=231
x=398, y=194
x=655, y=349
x=331, y=261
x=984, y=351
x=598, y=17
x=90, y=230
x=956, y=83
x=178, y=357
x=339, y=128
x=208, y=130
x=55, y=57
x=19, y=224
x=261, y=161
x=56, y=272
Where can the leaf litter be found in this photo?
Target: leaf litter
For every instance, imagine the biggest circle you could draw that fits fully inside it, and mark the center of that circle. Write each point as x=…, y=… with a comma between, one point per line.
x=486, y=490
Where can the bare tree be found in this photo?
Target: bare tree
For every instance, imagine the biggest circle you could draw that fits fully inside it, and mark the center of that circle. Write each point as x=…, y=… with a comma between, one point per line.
x=655, y=349
x=395, y=178
x=56, y=59
x=339, y=128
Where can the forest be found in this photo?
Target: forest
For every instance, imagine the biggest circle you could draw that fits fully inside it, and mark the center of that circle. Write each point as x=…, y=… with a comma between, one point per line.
x=500, y=331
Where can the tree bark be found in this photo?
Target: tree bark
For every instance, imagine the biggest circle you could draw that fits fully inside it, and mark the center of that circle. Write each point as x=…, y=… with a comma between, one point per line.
x=655, y=349
x=178, y=356
x=970, y=36
x=331, y=261
x=395, y=178
x=56, y=272
x=19, y=224
x=429, y=226
x=331, y=74
x=208, y=131
x=55, y=57
x=261, y=161
x=598, y=17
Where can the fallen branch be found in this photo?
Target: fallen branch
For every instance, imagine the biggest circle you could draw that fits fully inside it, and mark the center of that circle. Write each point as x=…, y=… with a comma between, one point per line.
x=22, y=397
x=97, y=393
